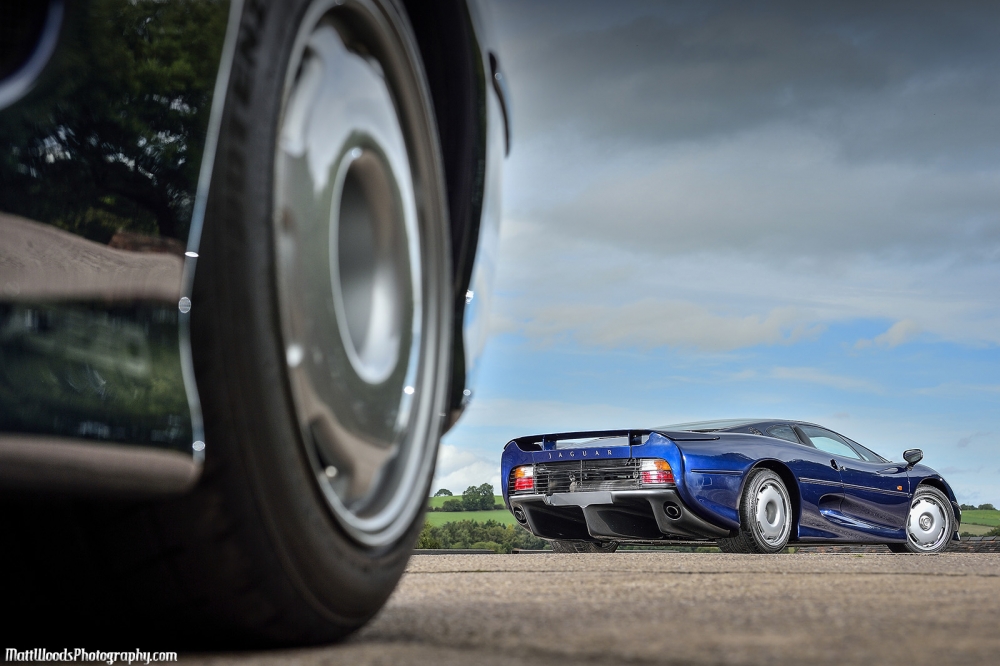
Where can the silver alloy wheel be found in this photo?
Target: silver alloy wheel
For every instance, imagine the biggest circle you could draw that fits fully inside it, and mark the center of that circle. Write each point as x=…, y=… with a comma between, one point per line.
x=362, y=269
x=927, y=523
x=771, y=513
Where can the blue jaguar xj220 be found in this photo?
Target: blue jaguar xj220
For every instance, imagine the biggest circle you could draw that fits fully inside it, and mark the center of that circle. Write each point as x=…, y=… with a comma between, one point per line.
x=751, y=486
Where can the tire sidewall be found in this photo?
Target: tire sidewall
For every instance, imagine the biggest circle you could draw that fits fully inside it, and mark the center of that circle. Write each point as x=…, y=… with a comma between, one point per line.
x=749, y=504
x=252, y=433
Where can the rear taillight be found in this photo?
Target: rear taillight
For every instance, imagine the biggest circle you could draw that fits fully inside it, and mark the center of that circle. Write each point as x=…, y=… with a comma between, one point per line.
x=653, y=471
x=524, y=478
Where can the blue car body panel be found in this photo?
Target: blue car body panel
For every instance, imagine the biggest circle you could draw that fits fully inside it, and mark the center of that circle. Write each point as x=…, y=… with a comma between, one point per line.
x=836, y=498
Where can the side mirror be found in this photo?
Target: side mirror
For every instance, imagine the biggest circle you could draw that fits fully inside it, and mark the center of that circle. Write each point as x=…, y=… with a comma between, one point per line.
x=913, y=456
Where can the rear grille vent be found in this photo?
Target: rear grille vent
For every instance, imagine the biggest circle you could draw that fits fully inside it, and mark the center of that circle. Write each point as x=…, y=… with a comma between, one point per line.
x=584, y=475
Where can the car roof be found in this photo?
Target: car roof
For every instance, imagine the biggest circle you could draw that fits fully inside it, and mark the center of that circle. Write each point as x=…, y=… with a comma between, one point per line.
x=760, y=427
x=727, y=424
x=710, y=426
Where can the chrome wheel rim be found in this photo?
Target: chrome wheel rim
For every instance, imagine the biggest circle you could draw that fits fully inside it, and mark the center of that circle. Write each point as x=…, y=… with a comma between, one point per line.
x=927, y=523
x=357, y=283
x=771, y=513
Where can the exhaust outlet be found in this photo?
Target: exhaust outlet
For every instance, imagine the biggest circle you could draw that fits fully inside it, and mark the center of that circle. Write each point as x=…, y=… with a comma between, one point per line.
x=519, y=515
x=672, y=510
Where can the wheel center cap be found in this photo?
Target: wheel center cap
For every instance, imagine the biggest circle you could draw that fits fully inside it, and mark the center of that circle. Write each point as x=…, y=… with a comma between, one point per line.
x=925, y=522
x=369, y=261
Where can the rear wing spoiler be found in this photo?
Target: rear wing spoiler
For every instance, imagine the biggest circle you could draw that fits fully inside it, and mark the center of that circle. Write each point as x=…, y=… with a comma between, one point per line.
x=635, y=437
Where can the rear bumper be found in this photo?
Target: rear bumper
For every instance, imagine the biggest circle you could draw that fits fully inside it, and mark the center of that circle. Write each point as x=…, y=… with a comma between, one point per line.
x=618, y=515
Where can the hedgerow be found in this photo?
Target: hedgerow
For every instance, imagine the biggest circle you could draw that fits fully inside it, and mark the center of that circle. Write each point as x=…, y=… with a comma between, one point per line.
x=471, y=534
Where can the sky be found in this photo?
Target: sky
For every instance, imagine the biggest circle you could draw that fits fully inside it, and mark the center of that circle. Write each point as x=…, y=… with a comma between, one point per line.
x=761, y=210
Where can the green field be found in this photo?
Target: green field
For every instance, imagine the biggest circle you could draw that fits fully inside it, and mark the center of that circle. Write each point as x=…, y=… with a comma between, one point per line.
x=978, y=517
x=975, y=530
x=439, y=501
x=438, y=518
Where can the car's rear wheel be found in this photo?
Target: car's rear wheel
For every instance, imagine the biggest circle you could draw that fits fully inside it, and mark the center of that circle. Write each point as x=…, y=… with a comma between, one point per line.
x=765, y=516
x=584, y=546
x=320, y=327
x=930, y=523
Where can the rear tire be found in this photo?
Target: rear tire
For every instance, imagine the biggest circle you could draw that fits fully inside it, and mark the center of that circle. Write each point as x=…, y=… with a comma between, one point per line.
x=260, y=553
x=584, y=546
x=765, y=516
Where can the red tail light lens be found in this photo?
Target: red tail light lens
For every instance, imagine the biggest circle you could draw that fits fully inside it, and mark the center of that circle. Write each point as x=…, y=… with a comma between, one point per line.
x=653, y=471
x=524, y=479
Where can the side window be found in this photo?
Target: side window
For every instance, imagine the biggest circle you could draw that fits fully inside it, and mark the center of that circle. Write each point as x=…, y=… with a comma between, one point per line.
x=783, y=432
x=824, y=440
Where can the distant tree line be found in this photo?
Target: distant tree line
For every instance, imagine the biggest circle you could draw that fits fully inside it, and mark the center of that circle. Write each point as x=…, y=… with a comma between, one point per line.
x=475, y=498
x=490, y=535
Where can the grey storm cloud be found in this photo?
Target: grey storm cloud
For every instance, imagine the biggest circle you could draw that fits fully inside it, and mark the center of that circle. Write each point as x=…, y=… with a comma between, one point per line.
x=816, y=128
x=677, y=71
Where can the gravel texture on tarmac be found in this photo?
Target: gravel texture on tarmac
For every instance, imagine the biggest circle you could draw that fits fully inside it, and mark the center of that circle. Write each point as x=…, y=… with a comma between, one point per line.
x=677, y=608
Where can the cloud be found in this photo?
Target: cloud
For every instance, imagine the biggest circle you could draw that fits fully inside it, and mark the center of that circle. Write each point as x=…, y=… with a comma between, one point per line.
x=963, y=442
x=814, y=376
x=952, y=389
x=898, y=333
x=475, y=474
x=501, y=324
x=787, y=131
x=642, y=72
x=770, y=190
x=650, y=323
x=544, y=275
x=451, y=459
x=745, y=175
x=458, y=469
x=519, y=417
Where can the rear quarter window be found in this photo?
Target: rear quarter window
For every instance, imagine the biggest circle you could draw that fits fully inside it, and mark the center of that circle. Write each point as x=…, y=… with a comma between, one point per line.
x=783, y=432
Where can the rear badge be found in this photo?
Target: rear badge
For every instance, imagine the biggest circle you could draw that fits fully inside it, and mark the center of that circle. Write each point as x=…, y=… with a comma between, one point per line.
x=572, y=454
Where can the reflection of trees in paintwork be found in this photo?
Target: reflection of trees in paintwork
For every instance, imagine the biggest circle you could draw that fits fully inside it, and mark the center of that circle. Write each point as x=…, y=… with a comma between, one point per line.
x=112, y=137
x=82, y=371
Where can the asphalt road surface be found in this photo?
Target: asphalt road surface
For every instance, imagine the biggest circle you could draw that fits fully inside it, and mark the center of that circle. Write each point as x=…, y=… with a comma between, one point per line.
x=678, y=608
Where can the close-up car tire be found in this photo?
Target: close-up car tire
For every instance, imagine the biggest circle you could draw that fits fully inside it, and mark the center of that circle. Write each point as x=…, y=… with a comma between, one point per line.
x=329, y=288
x=930, y=523
x=321, y=322
x=765, y=516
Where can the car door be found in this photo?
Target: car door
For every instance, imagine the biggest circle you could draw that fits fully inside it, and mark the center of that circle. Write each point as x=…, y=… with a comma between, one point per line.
x=820, y=487
x=876, y=493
